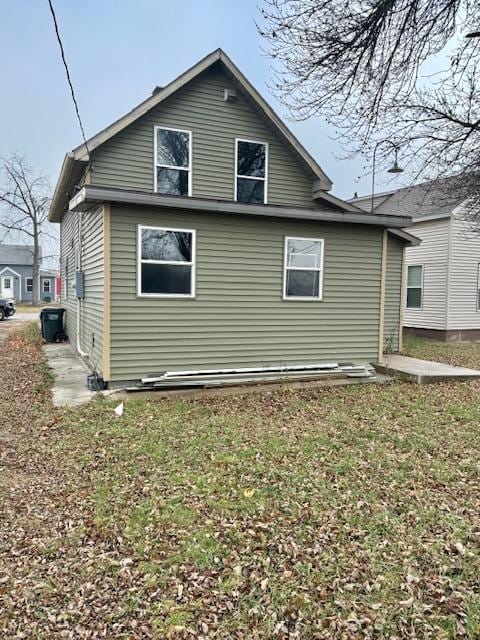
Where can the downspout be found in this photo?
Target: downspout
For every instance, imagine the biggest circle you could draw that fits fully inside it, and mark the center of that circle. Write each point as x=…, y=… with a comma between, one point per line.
x=79, y=301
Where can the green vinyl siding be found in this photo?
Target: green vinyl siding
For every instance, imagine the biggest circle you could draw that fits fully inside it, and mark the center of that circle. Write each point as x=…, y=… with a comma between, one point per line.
x=127, y=159
x=393, y=293
x=238, y=317
x=91, y=325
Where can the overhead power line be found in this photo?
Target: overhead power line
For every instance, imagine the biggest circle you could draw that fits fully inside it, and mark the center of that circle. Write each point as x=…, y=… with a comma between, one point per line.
x=62, y=51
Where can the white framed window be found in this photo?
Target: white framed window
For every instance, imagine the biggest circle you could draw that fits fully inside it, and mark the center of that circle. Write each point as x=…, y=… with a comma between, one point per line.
x=251, y=171
x=29, y=285
x=414, y=286
x=173, y=161
x=166, y=262
x=46, y=286
x=303, y=269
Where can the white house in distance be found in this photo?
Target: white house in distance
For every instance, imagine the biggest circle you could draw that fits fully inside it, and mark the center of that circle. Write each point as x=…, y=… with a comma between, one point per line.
x=442, y=274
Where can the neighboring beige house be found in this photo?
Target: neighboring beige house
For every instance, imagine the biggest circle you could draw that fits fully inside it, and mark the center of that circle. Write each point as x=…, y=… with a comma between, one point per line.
x=198, y=234
x=442, y=298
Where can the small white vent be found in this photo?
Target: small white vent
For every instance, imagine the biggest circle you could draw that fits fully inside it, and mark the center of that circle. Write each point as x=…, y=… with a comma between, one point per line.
x=230, y=95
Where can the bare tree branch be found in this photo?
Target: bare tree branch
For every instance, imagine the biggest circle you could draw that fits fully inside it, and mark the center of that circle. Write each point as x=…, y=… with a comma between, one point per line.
x=24, y=205
x=361, y=65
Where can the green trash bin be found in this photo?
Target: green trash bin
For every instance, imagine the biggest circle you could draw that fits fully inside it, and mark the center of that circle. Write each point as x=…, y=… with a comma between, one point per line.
x=51, y=320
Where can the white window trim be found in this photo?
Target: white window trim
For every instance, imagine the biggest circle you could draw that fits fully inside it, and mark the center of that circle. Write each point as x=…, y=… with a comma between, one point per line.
x=26, y=284
x=166, y=166
x=318, y=298
x=46, y=281
x=237, y=175
x=193, y=263
x=412, y=287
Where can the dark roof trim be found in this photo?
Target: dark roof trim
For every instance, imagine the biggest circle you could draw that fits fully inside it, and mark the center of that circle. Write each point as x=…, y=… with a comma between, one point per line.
x=410, y=239
x=90, y=195
x=433, y=216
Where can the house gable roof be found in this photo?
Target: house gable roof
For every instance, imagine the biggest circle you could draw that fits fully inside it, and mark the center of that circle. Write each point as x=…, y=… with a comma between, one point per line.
x=20, y=254
x=428, y=200
x=75, y=161
x=217, y=56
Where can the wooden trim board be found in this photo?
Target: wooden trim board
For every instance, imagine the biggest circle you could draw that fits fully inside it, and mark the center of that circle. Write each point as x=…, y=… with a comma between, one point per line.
x=383, y=280
x=106, y=291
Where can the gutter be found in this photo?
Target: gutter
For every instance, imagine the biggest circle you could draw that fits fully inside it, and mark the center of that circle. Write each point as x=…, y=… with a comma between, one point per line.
x=90, y=195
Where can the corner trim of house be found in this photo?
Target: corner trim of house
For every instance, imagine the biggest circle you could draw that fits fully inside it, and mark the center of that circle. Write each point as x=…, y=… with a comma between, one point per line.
x=447, y=283
x=106, y=292
x=402, y=301
x=383, y=281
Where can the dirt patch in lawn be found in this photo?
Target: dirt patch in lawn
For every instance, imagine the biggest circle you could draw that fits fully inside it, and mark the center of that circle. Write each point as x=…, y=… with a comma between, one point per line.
x=314, y=514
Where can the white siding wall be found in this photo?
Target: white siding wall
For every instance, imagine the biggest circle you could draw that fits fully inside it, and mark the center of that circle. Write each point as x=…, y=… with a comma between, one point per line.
x=433, y=255
x=464, y=261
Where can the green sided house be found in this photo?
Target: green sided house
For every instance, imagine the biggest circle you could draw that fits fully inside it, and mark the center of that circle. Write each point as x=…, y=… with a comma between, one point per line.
x=197, y=234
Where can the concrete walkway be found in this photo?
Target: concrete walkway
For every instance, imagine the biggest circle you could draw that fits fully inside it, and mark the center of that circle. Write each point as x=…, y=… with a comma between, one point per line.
x=424, y=371
x=70, y=375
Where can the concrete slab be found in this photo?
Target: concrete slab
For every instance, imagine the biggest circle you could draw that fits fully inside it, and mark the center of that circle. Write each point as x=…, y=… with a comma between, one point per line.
x=424, y=371
x=239, y=390
x=70, y=373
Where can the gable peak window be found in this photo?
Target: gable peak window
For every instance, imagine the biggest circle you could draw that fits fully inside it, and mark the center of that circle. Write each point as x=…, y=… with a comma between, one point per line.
x=303, y=272
x=251, y=170
x=173, y=158
x=166, y=262
x=415, y=286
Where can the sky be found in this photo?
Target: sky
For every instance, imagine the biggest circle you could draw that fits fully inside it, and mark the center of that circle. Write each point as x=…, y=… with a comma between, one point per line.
x=117, y=52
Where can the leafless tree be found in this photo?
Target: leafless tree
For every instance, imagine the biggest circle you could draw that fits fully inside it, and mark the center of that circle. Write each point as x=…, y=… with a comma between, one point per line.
x=24, y=204
x=364, y=66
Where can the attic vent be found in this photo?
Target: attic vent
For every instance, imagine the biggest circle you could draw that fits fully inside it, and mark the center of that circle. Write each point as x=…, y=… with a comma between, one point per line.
x=230, y=95
x=156, y=90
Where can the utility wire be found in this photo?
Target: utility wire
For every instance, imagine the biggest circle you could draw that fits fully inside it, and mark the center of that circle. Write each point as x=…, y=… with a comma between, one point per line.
x=52, y=11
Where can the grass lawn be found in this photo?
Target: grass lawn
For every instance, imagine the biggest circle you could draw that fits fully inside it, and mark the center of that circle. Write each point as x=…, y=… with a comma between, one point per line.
x=23, y=307
x=345, y=513
x=461, y=354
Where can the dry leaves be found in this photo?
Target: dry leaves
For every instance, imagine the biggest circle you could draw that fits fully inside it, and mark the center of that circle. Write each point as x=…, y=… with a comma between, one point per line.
x=343, y=513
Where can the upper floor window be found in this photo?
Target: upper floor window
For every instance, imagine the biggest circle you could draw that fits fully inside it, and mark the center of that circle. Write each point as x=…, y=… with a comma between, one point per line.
x=303, y=277
x=173, y=158
x=414, y=286
x=251, y=163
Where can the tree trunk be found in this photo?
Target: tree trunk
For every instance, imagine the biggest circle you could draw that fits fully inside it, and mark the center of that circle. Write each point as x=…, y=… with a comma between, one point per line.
x=35, y=267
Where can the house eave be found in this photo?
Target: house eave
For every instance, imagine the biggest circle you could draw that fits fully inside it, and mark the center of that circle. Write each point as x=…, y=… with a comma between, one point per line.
x=91, y=195
x=66, y=180
x=433, y=216
x=408, y=238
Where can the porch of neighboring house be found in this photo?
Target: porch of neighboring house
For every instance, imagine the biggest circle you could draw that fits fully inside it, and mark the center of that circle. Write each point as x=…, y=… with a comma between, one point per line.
x=10, y=284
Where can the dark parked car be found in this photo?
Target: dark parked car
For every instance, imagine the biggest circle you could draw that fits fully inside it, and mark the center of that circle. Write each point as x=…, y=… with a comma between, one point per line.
x=7, y=308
